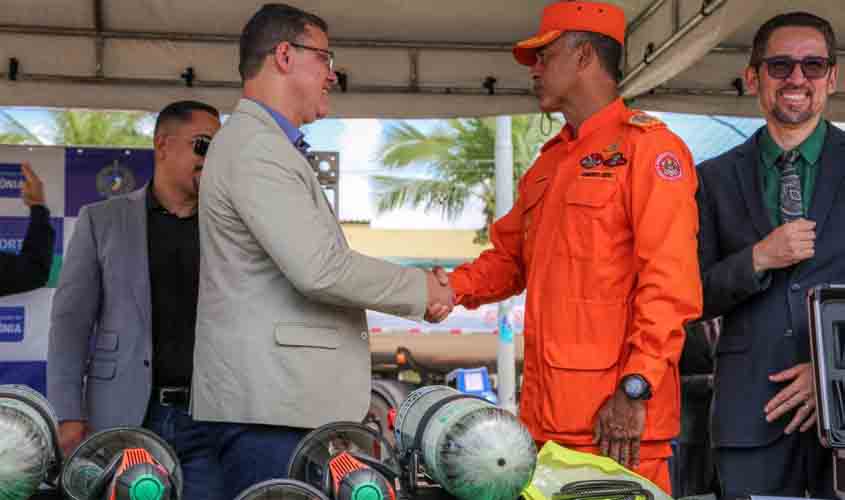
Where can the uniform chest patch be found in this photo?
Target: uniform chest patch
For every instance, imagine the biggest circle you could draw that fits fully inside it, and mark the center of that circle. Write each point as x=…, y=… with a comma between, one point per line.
x=616, y=160
x=592, y=160
x=668, y=166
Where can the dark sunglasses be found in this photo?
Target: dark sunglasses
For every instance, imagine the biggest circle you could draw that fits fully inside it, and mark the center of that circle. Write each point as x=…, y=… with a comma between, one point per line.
x=813, y=67
x=201, y=143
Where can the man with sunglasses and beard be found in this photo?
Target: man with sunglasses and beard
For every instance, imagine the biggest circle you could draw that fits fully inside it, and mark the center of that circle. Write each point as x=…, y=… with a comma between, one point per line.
x=785, y=181
x=124, y=313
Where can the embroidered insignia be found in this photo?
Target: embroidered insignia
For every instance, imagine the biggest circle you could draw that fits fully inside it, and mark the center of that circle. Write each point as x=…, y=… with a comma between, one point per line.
x=642, y=119
x=611, y=148
x=592, y=160
x=668, y=166
x=616, y=160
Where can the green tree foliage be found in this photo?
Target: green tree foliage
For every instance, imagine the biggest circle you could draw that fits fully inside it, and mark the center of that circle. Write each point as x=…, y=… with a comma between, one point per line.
x=460, y=154
x=81, y=128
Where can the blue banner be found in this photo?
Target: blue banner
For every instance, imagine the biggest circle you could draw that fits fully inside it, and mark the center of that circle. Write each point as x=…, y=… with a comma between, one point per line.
x=11, y=180
x=12, y=323
x=31, y=373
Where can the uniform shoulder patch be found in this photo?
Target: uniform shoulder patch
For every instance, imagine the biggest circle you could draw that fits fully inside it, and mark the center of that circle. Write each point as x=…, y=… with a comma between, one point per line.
x=645, y=121
x=668, y=166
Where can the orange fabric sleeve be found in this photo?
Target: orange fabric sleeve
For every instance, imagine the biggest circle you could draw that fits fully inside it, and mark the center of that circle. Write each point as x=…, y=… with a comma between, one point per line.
x=497, y=273
x=664, y=217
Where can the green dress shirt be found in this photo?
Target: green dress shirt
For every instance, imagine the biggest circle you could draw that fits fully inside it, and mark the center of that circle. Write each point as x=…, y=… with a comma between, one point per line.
x=810, y=150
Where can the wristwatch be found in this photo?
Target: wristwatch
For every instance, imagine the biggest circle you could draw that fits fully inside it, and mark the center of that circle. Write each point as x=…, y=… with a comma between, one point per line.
x=636, y=387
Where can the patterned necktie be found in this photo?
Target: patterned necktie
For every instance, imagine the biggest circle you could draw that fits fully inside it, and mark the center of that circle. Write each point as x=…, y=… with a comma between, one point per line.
x=791, y=206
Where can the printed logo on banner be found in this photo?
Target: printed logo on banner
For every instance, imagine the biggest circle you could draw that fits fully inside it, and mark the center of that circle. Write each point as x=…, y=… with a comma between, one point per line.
x=13, y=231
x=11, y=180
x=12, y=324
x=96, y=174
x=114, y=180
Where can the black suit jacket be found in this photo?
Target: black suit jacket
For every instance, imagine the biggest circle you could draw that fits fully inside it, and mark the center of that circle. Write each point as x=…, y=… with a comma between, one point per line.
x=765, y=328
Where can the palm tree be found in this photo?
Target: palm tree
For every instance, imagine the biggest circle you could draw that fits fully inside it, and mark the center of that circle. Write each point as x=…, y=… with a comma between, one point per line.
x=460, y=153
x=81, y=128
x=101, y=128
x=13, y=131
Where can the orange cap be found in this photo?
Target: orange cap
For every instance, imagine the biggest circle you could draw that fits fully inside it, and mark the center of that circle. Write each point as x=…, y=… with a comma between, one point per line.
x=597, y=17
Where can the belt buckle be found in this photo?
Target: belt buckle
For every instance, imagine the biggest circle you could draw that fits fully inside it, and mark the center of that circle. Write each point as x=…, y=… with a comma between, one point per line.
x=162, y=391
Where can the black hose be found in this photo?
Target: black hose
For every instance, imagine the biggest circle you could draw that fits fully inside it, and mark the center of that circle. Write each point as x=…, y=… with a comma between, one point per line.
x=604, y=489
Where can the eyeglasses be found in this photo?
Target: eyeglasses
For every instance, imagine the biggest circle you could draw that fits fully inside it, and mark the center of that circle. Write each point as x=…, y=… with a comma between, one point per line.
x=813, y=67
x=327, y=55
x=200, y=144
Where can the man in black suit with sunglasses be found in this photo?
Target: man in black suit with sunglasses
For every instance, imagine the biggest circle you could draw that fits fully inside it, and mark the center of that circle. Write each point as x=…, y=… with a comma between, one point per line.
x=771, y=213
x=124, y=312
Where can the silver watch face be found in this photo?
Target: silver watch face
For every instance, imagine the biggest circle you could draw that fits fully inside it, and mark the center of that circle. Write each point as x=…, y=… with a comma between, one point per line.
x=634, y=387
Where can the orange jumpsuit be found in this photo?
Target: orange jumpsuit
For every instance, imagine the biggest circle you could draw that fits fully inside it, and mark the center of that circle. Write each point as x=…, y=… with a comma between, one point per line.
x=604, y=237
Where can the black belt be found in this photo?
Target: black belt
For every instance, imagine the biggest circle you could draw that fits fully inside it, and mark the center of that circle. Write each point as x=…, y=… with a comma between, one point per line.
x=172, y=396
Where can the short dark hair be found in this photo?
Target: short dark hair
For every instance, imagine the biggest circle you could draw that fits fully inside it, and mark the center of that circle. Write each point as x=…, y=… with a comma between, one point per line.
x=608, y=50
x=272, y=24
x=792, y=19
x=180, y=111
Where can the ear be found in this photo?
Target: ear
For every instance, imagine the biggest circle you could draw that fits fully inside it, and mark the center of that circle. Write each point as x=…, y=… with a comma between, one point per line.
x=586, y=55
x=159, y=145
x=752, y=80
x=832, y=79
x=282, y=57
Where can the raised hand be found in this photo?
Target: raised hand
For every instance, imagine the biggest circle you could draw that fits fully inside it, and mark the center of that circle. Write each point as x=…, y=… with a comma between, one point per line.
x=32, y=191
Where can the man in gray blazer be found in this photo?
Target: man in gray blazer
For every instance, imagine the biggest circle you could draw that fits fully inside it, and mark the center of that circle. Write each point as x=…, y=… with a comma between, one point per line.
x=282, y=342
x=124, y=313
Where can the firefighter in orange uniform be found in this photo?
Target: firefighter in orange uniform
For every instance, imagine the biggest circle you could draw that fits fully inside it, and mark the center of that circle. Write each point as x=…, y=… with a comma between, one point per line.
x=603, y=237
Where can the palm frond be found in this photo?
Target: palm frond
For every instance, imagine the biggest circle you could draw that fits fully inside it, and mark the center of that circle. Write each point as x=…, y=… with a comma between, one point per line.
x=15, y=132
x=460, y=155
x=428, y=194
x=404, y=144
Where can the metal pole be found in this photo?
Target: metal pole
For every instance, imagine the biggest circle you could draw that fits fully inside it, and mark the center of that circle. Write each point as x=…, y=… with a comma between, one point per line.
x=505, y=358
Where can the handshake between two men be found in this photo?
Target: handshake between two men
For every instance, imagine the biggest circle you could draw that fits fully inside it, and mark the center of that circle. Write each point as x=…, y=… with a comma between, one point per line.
x=441, y=298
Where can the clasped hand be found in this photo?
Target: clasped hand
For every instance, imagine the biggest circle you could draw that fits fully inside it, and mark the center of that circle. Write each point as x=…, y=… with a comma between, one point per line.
x=441, y=299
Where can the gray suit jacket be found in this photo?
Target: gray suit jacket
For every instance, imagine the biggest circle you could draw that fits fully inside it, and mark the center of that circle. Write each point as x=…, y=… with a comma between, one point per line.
x=281, y=330
x=100, y=322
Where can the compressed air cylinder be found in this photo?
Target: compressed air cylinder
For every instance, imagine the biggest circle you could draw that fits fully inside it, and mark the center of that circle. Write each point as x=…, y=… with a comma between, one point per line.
x=473, y=449
x=81, y=475
x=27, y=441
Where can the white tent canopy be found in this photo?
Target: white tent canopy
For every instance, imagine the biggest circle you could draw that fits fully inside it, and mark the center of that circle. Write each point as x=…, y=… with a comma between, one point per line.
x=705, y=81
x=401, y=58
